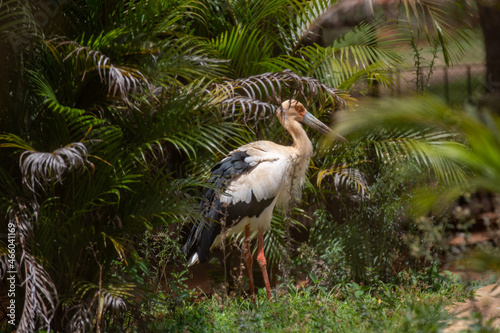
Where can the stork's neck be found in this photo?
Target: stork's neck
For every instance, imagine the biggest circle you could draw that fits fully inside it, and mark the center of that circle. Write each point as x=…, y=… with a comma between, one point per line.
x=301, y=141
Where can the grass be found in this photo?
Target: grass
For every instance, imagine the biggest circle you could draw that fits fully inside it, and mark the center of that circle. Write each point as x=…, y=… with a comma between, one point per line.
x=415, y=306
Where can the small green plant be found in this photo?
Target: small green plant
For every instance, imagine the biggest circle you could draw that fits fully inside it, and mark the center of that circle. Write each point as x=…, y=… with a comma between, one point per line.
x=365, y=242
x=167, y=273
x=347, y=307
x=421, y=62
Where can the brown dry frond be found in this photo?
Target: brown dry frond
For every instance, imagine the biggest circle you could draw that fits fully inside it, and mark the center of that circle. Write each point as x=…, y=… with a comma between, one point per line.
x=259, y=94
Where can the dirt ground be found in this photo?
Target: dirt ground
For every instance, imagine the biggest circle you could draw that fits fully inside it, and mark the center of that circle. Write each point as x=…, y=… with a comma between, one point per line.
x=486, y=302
x=484, y=208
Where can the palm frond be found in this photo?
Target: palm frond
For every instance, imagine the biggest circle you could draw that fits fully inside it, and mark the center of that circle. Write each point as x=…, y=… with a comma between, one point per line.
x=161, y=137
x=40, y=293
x=112, y=300
x=4, y=261
x=259, y=94
x=400, y=131
x=13, y=141
x=122, y=81
x=359, y=54
x=407, y=114
x=348, y=178
x=301, y=25
x=23, y=214
x=432, y=17
x=79, y=318
x=187, y=59
x=208, y=137
x=260, y=13
x=17, y=24
x=106, y=303
x=244, y=48
x=426, y=152
x=42, y=168
x=160, y=17
x=458, y=149
x=40, y=299
x=80, y=125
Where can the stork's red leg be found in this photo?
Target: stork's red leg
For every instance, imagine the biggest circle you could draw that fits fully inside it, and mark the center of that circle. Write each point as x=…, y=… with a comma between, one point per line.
x=262, y=261
x=249, y=260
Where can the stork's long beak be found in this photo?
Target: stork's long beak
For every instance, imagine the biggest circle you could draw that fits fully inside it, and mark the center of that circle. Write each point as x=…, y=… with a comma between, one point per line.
x=316, y=124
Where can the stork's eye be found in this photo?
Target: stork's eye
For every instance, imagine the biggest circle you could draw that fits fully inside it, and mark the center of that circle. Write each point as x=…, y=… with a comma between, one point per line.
x=300, y=109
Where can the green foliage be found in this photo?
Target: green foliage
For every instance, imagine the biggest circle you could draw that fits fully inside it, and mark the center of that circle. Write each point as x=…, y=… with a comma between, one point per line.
x=111, y=117
x=365, y=243
x=98, y=154
x=458, y=146
x=346, y=308
x=323, y=259
x=395, y=150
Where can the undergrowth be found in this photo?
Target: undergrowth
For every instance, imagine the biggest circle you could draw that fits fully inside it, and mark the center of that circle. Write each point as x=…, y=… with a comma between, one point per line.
x=417, y=304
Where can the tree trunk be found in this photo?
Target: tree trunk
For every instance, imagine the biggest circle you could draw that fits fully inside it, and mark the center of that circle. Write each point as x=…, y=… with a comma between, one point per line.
x=489, y=15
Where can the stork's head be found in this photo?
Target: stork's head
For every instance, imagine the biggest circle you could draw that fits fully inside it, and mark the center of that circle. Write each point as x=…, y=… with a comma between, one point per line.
x=292, y=110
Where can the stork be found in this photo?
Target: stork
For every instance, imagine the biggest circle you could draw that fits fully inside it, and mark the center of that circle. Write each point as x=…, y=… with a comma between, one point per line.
x=248, y=184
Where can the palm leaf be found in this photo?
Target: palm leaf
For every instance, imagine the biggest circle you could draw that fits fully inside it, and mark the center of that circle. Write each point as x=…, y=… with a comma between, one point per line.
x=409, y=134
x=17, y=24
x=244, y=48
x=43, y=88
x=13, y=141
x=95, y=302
x=80, y=318
x=432, y=17
x=40, y=293
x=78, y=124
x=159, y=130
x=122, y=81
x=353, y=57
x=256, y=94
x=346, y=177
x=40, y=297
x=460, y=149
x=160, y=17
x=42, y=168
x=187, y=59
x=255, y=14
x=302, y=23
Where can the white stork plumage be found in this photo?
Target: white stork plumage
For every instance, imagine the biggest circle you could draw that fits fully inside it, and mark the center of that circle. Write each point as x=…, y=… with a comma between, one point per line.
x=249, y=183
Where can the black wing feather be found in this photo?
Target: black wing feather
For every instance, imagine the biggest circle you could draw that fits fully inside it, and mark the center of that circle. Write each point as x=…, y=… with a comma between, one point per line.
x=206, y=231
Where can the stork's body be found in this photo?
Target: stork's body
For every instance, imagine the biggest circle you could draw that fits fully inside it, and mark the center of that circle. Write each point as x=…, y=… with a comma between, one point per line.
x=249, y=183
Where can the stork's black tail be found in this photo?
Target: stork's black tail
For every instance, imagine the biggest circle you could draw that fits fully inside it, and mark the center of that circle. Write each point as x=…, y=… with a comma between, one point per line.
x=201, y=238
